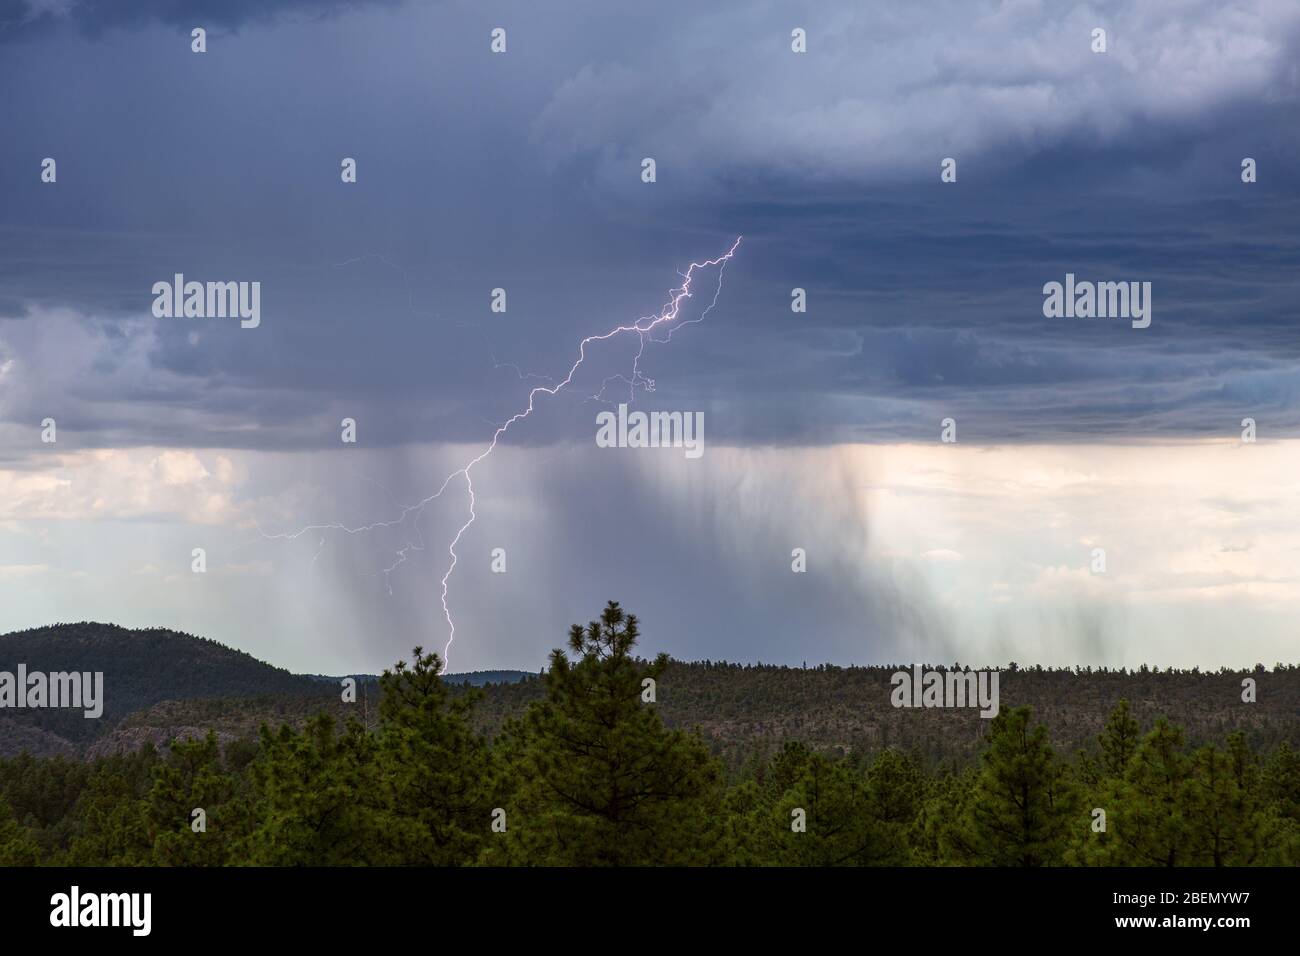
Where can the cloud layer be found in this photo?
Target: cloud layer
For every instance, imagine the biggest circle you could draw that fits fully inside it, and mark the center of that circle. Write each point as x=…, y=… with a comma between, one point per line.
x=521, y=171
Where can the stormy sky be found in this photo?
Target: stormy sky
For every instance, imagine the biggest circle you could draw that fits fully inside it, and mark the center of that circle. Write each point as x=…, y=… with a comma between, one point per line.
x=522, y=170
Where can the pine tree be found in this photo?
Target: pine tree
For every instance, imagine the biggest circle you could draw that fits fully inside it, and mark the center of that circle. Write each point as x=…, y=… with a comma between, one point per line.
x=193, y=778
x=1280, y=792
x=1019, y=812
x=432, y=768
x=1151, y=817
x=315, y=804
x=1281, y=782
x=839, y=824
x=111, y=825
x=1225, y=825
x=597, y=778
x=897, y=787
x=1119, y=740
x=17, y=846
x=742, y=806
x=941, y=835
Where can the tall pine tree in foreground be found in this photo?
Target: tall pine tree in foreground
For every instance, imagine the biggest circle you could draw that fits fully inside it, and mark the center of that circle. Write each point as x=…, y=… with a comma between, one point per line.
x=1019, y=812
x=432, y=768
x=598, y=780
x=1226, y=823
x=1150, y=819
x=1094, y=841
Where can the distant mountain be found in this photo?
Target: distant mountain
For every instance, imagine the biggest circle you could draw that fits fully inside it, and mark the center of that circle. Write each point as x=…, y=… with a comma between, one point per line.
x=169, y=684
x=140, y=667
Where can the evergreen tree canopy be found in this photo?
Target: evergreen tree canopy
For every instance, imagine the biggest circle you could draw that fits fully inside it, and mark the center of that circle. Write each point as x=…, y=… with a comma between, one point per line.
x=598, y=778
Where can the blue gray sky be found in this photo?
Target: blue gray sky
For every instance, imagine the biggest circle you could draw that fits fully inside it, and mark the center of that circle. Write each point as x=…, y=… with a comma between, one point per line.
x=522, y=170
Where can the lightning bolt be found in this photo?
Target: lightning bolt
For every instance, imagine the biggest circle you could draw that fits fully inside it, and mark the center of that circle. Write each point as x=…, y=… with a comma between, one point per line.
x=644, y=328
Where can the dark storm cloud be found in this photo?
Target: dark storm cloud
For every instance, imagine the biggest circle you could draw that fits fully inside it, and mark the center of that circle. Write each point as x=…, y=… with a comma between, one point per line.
x=21, y=18
x=521, y=171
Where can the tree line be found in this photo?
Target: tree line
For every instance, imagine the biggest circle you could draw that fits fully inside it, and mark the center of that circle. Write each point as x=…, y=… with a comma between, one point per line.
x=589, y=775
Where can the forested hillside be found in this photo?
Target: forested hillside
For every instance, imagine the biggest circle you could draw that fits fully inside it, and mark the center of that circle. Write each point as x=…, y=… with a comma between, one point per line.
x=140, y=667
x=162, y=684
x=582, y=767
x=750, y=710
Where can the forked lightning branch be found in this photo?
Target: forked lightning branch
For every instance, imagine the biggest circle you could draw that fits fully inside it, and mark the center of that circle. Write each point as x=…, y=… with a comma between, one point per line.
x=644, y=328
